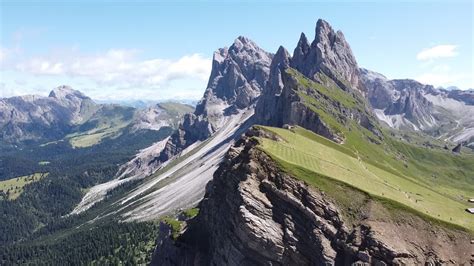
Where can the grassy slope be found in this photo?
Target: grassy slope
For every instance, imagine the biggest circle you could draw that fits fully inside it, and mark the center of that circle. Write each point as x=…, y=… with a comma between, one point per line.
x=431, y=181
x=176, y=108
x=175, y=111
x=106, y=123
x=15, y=185
x=316, y=156
x=110, y=121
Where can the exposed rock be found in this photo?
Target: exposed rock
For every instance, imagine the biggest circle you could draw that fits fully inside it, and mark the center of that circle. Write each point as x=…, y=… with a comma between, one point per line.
x=409, y=105
x=34, y=117
x=330, y=54
x=301, y=53
x=464, y=96
x=458, y=148
x=239, y=74
x=160, y=115
x=255, y=214
x=379, y=91
x=268, y=108
x=280, y=104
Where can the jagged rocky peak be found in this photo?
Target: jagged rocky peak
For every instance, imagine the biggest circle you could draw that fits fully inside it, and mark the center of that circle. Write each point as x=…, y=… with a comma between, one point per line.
x=239, y=74
x=280, y=62
x=330, y=54
x=268, y=103
x=379, y=90
x=301, y=52
x=66, y=92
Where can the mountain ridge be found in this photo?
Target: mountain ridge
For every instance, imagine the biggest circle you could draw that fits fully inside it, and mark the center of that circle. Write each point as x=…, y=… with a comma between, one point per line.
x=251, y=216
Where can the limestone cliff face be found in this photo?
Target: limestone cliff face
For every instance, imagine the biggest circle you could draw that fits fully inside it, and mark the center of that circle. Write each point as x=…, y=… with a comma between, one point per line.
x=255, y=214
x=329, y=62
x=239, y=75
x=280, y=104
x=328, y=53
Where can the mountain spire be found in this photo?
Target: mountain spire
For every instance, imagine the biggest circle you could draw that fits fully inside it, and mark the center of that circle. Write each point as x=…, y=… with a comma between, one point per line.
x=329, y=53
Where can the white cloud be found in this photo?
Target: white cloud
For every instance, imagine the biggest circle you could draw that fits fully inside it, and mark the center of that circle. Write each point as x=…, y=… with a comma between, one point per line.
x=440, y=79
x=118, y=67
x=439, y=51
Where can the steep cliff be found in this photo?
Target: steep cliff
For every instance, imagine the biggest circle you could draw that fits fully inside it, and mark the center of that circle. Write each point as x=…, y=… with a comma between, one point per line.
x=239, y=74
x=329, y=53
x=255, y=213
x=320, y=79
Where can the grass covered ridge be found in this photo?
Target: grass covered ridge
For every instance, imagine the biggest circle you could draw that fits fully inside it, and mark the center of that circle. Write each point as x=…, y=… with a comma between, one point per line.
x=317, y=160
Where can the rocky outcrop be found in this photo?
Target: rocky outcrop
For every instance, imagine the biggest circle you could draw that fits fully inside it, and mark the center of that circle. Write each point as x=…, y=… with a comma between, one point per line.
x=412, y=106
x=464, y=96
x=457, y=149
x=380, y=92
x=409, y=105
x=330, y=54
x=160, y=115
x=255, y=214
x=269, y=107
x=239, y=74
x=328, y=62
x=289, y=108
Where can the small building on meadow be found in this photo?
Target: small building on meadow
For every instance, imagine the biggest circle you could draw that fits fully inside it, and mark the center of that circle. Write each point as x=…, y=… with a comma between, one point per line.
x=470, y=210
x=471, y=200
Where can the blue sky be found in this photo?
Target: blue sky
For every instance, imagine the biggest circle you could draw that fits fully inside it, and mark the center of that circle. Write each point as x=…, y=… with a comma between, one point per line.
x=151, y=50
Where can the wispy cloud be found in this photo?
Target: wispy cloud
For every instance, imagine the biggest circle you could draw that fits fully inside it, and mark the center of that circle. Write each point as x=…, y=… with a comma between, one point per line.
x=120, y=67
x=115, y=73
x=438, y=51
x=441, y=79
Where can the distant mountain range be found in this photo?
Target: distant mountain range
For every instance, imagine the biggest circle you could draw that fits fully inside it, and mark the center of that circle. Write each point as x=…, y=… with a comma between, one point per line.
x=147, y=103
x=410, y=105
x=69, y=114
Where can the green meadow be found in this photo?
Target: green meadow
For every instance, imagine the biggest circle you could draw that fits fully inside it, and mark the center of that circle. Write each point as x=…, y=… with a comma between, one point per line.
x=411, y=186
x=12, y=188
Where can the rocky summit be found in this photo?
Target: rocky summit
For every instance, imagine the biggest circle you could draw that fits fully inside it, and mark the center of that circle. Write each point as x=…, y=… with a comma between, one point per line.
x=329, y=53
x=239, y=74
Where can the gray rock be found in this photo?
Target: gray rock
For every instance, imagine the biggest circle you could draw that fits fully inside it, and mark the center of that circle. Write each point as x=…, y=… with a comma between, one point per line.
x=330, y=54
x=268, y=109
x=458, y=148
x=409, y=105
x=34, y=117
x=239, y=74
